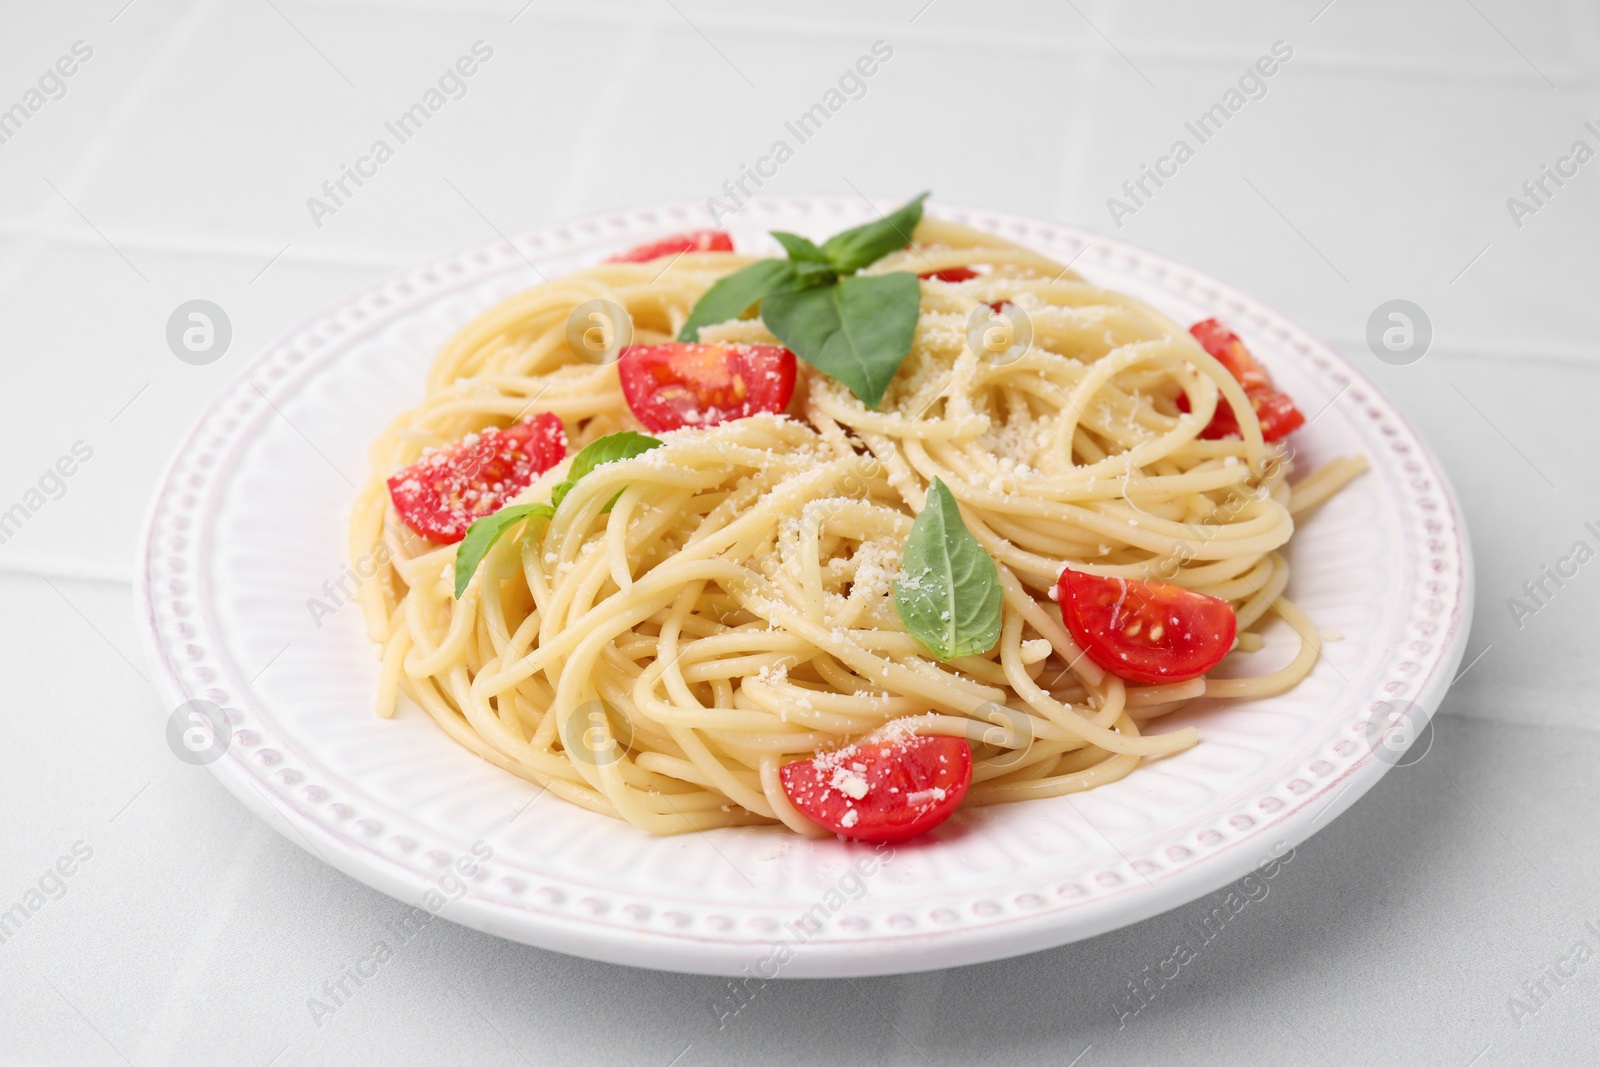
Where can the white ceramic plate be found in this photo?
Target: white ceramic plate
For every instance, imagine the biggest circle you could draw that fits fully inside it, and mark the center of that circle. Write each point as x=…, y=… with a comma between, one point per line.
x=248, y=524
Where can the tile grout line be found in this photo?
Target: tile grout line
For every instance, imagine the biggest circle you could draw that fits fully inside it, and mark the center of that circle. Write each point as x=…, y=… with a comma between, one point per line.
x=604, y=15
x=165, y=245
x=112, y=132
x=67, y=571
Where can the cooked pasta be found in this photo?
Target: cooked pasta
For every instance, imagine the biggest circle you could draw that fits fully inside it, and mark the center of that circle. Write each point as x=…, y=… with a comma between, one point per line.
x=734, y=609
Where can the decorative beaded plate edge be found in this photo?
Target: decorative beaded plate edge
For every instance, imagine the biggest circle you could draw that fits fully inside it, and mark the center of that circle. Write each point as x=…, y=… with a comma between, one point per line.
x=384, y=802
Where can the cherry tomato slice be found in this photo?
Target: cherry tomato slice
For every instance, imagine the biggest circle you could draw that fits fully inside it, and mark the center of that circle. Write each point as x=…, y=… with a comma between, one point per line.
x=1147, y=632
x=693, y=241
x=1276, y=410
x=669, y=386
x=441, y=494
x=950, y=274
x=1230, y=351
x=882, y=790
x=1278, y=416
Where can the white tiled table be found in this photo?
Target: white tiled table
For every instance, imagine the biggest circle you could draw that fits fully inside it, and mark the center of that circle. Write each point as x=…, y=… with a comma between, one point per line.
x=1376, y=166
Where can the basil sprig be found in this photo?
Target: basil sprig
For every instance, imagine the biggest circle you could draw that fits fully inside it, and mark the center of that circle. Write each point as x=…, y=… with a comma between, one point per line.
x=608, y=449
x=482, y=534
x=858, y=329
x=948, y=593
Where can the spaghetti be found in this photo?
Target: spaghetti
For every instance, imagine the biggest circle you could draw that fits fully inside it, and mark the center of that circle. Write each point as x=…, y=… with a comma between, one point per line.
x=734, y=609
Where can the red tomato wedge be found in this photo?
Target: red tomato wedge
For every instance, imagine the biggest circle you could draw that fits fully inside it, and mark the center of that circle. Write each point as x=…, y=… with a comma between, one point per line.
x=1275, y=410
x=1147, y=632
x=693, y=241
x=950, y=274
x=677, y=384
x=882, y=790
x=441, y=494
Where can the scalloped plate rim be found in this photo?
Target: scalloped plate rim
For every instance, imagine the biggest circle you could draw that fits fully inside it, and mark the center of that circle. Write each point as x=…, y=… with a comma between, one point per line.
x=857, y=955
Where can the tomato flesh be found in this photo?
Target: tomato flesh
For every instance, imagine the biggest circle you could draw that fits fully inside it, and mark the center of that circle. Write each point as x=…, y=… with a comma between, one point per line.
x=677, y=384
x=445, y=491
x=1148, y=632
x=1274, y=409
x=693, y=241
x=950, y=274
x=882, y=790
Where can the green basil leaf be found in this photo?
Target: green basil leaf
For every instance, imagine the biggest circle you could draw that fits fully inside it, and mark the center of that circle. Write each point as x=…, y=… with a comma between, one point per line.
x=856, y=248
x=482, y=535
x=801, y=249
x=608, y=449
x=859, y=329
x=733, y=295
x=807, y=274
x=948, y=593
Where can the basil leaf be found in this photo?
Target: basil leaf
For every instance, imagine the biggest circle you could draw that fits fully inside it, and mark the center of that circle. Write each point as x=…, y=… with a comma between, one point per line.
x=856, y=248
x=608, y=449
x=801, y=249
x=948, y=593
x=807, y=273
x=859, y=330
x=733, y=295
x=482, y=535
